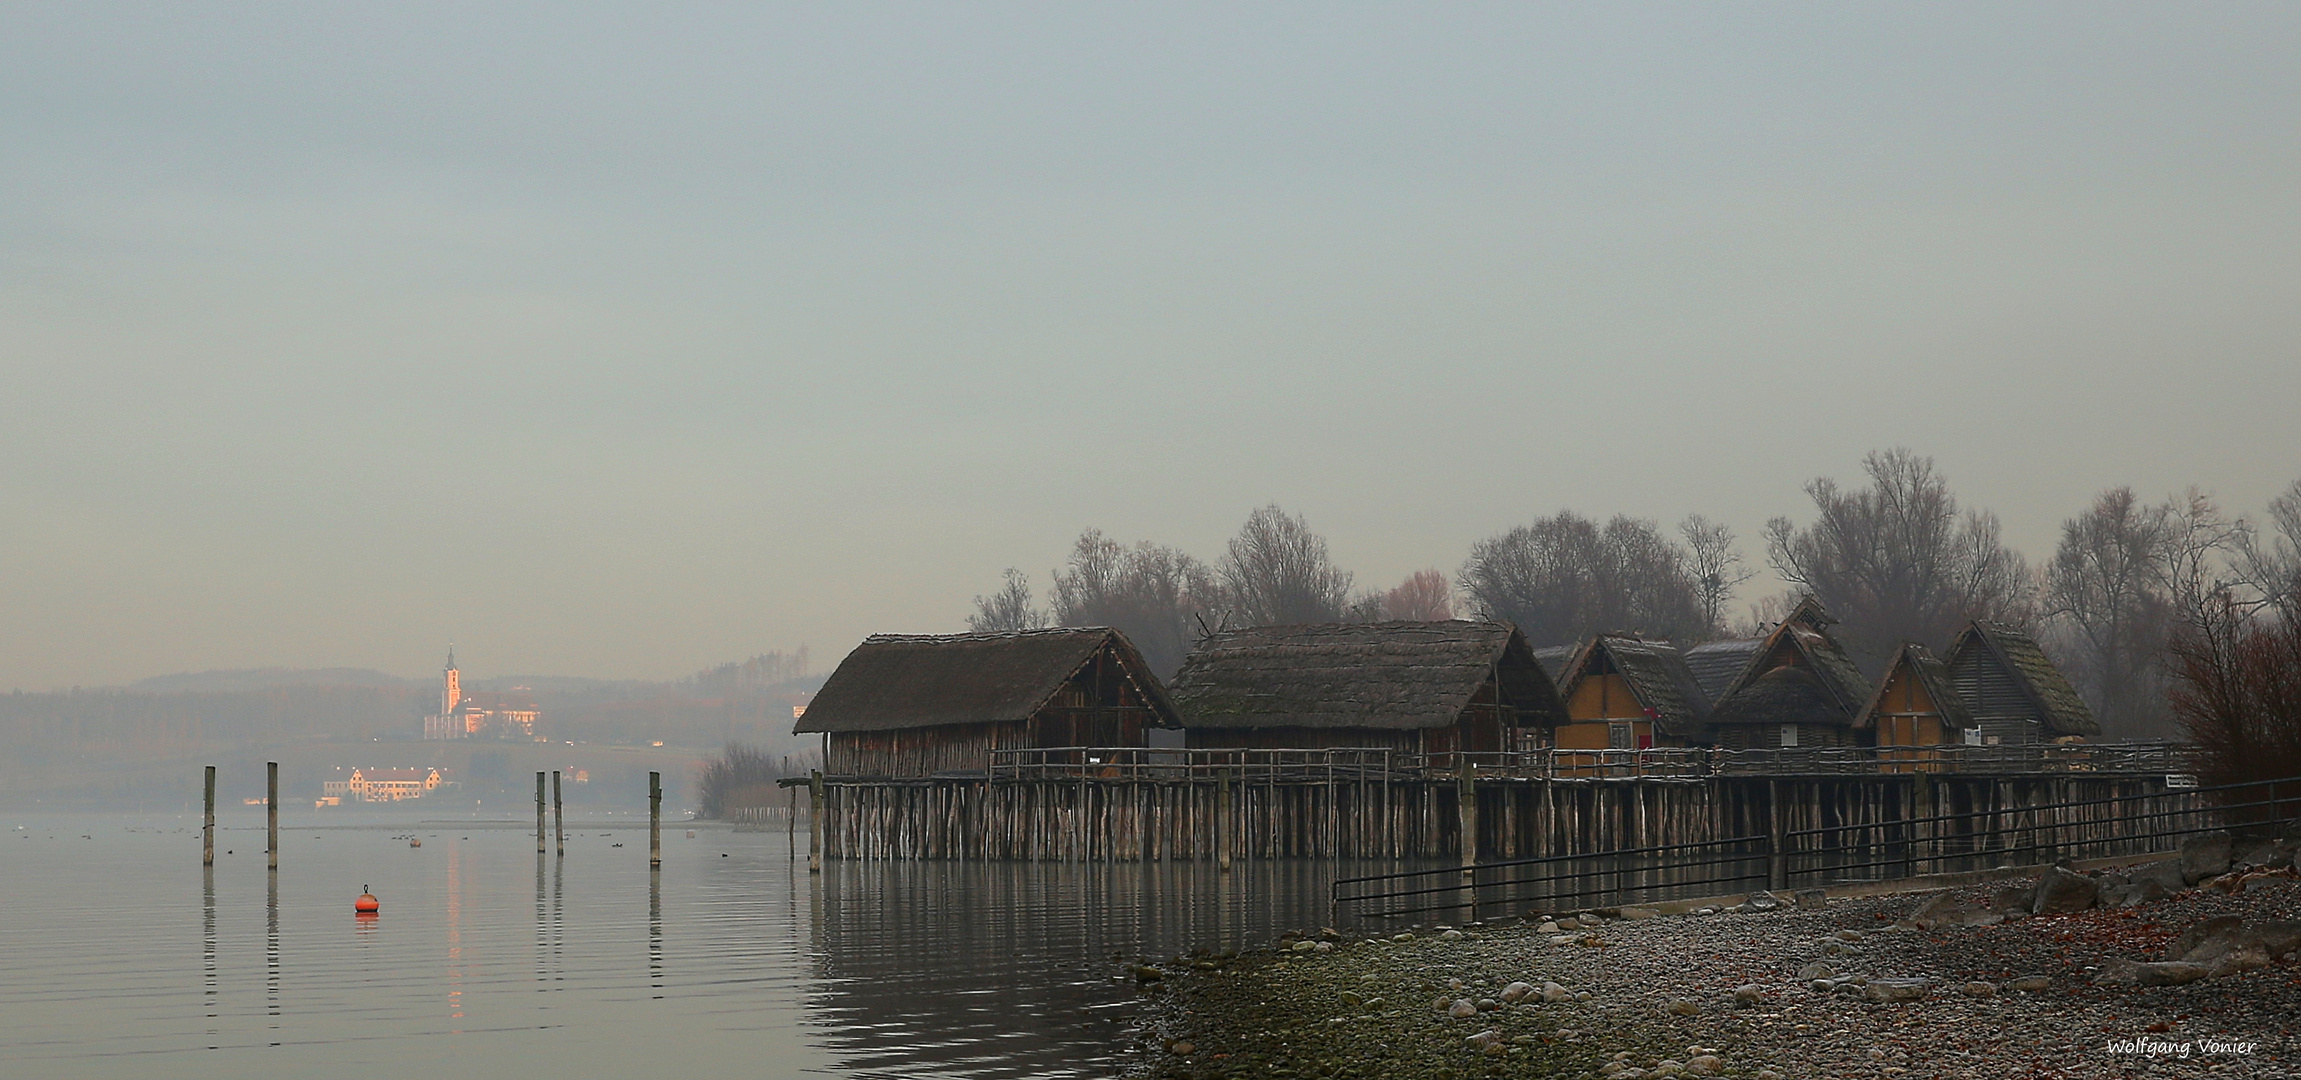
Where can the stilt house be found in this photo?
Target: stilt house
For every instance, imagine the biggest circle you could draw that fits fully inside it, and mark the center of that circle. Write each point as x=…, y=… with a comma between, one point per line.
x=1418, y=687
x=1800, y=689
x=2016, y=695
x=910, y=705
x=1915, y=709
x=1626, y=693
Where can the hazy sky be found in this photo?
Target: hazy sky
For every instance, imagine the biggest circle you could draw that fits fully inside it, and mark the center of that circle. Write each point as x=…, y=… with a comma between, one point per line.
x=621, y=340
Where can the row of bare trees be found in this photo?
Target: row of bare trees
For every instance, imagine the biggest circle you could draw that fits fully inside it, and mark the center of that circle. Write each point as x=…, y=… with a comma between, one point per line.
x=1897, y=558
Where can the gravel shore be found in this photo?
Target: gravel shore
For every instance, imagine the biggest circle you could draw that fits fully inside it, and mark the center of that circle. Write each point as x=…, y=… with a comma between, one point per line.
x=1722, y=994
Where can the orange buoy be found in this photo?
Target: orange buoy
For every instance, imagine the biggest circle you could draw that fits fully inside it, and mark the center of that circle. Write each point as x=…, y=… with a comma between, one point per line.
x=367, y=904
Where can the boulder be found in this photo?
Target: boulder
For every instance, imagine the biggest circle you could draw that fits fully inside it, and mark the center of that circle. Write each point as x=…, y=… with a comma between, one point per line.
x=1816, y=970
x=2060, y=892
x=1748, y=994
x=1517, y=992
x=1635, y=914
x=1885, y=990
x=2143, y=891
x=1552, y=993
x=1461, y=1009
x=2165, y=872
x=2245, y=957
x=2169, y=973
x=1979, y=989
x=2277, y=938
x=2205, y=939
x=2030, y=984
x=2013, y=898
x=2205, y=855
x=2264, y=853
x=1704, y=1065
x=1681, y=1007
x=1812, y=899
x=1762, y=901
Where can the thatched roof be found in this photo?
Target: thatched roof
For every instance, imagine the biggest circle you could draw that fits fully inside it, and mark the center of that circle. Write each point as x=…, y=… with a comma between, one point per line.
x=1716, y=664
x=2053, y=702
x=1800, y=643
x=1555, y=659
x=894, y=681
x=1919, y=662
x=1657, y=675
x=1397, y=675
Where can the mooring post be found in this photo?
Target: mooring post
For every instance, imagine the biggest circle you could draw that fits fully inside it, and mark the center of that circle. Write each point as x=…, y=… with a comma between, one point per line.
x=791, y=826
x=208, y=830
x=539, y=812
x=272, y=812
x=558, y=818
x=814, y=821
x=654, y=819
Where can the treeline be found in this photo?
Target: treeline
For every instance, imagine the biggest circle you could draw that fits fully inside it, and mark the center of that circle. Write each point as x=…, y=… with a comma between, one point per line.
x=1897, y=558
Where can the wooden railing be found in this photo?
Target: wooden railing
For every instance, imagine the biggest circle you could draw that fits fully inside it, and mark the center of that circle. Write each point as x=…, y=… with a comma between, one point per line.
x=1353, y=764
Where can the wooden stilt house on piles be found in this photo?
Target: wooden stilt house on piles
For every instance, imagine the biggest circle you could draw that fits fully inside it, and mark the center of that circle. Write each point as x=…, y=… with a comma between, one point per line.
x=1414, y=687
x=1626, y=693
x=2017, y=696
x=1800, y=689
x=1915, y=709
x=917, y=705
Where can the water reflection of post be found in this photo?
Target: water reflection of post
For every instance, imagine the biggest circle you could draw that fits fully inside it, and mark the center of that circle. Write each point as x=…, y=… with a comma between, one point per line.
x=542, y=934
x=655, y=931
x=272, y=953
x=208, y=939
x=558, y=927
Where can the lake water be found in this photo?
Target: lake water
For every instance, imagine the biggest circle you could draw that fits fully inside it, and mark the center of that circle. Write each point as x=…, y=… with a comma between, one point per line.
x=120, y=957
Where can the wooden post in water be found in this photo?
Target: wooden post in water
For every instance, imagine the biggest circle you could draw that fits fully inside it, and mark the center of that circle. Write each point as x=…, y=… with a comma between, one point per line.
x=208, y=830
x=654, y=819
x=1222, y=830
x=272, y=812
x=814, y=821
x=558, y=817
x=539, y=813
x=1466, y=810
x=791, y=825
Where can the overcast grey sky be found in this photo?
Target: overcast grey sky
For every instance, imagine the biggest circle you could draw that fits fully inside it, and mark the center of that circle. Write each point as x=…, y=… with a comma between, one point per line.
x=620, y=340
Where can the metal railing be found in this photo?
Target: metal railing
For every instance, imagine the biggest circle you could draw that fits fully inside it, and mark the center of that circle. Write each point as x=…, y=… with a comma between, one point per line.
x=1834, y=855
x=1331, y=764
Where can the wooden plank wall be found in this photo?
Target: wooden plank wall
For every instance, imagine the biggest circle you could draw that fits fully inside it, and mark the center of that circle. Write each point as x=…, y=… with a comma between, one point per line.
x=1129, y=820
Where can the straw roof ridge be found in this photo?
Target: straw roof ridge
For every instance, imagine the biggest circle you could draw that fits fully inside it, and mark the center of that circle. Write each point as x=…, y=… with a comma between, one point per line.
x=1395, y=675
x=896, y=681
x=1834, y=676
x=1657, y=674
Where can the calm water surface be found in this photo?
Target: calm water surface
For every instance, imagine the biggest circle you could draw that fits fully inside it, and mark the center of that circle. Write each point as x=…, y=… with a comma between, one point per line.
x=119, y=957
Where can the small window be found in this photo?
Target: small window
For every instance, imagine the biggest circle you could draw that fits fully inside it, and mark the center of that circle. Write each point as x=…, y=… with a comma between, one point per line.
x=1973, y=736
x=1619, y=735
x=1789, y=735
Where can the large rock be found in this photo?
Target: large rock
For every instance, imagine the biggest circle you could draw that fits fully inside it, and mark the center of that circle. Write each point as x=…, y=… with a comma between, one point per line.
x=2013, y=898
x=2165, y=872
x=2143, y=891
x=1943, y=909
x=2205, y=855
x=1883, y=990
x=2264, y=853
x=2160, y=973
x=2205, y=939
x=1817, y=899
x=2277, y=938
x=2060, y=892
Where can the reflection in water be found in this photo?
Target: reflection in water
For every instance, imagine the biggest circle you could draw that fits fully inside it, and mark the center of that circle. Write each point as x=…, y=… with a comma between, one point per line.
x=1018, y=969
x=655, y=931
x=454, y=904
x=272, y=953
x=209, y=988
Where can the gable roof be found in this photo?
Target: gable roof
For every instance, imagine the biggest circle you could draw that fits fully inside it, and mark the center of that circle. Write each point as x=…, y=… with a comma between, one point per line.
x=1556, y=660
x=1833, y=692
x=1932, y=675
x=1395, y=675
x=894, y=681
x=2054, y=703
x=1716, y=664
x=1657, y=675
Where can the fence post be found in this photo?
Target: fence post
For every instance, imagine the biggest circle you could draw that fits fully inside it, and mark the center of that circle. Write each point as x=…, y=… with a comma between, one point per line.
x=654, y=819
x=1222, y=830
x=1466, y=810
x=539, y=813
x=558, y=817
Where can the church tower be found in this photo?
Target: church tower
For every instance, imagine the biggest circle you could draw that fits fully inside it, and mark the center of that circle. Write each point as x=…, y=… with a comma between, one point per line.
x=451, y=686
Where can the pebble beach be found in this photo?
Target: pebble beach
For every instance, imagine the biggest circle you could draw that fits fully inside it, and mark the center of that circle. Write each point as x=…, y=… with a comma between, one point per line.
x=1950, y=983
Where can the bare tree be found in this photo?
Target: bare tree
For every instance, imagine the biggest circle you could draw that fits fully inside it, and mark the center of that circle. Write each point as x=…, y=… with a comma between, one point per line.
x=1156, y=595
x=1425, y=596
x=2272, y=557
x=1898, y=561
x=2105, y=593
x=1716, y=565
x=2238, y=695
x=1007, y=610
x=1564, y=578
x=1277, y=571
x=2196, y=562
